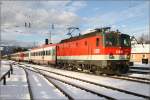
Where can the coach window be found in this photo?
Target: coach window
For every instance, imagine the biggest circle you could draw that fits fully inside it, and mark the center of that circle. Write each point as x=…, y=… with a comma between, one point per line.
x=97, y=42
x=46, y=53
x=43, y=53
x=49, y=52
x=52, y=52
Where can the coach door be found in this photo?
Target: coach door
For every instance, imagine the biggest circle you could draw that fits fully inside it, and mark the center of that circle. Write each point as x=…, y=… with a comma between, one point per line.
x=53, y=54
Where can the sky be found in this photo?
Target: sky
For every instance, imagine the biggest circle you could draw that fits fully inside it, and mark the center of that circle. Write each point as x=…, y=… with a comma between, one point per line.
x=128, y=16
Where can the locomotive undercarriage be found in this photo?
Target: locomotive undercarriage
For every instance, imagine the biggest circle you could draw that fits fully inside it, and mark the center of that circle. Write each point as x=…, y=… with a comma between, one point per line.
x=96, y=67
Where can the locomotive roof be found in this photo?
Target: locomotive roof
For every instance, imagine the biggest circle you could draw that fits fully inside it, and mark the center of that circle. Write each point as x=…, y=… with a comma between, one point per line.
x=97, y=32
x=81, y=36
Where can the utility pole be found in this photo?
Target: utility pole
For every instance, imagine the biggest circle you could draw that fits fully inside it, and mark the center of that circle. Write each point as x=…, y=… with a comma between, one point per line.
x=50, y=33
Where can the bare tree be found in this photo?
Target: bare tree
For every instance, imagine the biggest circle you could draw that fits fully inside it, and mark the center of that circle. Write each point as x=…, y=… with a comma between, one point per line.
x=144, y=38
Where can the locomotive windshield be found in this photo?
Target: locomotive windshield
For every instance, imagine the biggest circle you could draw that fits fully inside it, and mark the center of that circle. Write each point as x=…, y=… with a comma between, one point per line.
x=113, y=39
x=125, y=40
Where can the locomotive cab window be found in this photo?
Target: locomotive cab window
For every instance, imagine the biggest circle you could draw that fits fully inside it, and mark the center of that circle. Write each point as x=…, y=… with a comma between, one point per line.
x=76, y=43
x=97, y=42
x=125, y=40
x=85, y=43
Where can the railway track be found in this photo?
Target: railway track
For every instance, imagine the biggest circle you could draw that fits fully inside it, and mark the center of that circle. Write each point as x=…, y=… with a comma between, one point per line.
x=123, y=77
x=134, y=79
x=29, y=85
x=49, y=78
x=140, y=70
x=30, y=90
x=97, y=84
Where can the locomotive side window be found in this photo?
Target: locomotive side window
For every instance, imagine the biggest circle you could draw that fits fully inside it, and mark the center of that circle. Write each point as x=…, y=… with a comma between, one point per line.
x=97, y=42
x=77, y=44
x=85, y=43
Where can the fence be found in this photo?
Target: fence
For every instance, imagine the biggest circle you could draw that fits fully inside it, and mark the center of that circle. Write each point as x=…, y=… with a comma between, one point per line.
x=10, y=71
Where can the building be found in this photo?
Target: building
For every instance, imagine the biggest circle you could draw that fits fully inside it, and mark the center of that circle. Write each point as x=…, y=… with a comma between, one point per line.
x=139, y=52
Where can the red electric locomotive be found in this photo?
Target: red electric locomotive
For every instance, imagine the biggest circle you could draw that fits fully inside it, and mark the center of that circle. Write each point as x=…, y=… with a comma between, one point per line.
x=101, y=51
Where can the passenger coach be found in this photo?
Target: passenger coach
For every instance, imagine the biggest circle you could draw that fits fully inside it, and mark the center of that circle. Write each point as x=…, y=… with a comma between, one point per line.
x=45, y=54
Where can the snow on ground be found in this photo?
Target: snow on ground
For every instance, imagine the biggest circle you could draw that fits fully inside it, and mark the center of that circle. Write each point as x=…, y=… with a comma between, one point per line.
x=102, y=90
x=16, y=87
x=77, y=93
x=122, y=84
x=42, y=89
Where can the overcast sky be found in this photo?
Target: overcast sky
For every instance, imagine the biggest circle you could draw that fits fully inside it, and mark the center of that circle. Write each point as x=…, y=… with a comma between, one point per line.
x=130, y=17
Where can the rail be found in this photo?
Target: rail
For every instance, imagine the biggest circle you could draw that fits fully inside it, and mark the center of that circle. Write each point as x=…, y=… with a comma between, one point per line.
x=70, y=98
x=98, y=84
x=29, y=84
x=10, y=71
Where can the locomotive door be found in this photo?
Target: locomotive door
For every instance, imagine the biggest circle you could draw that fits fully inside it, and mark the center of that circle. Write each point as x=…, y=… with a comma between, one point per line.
x=89, y=56
x=54, y=53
